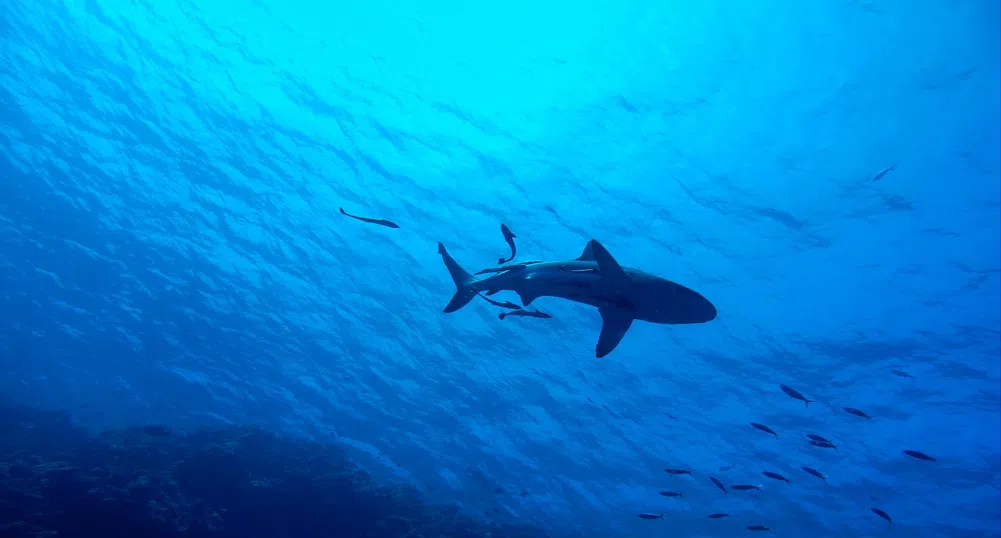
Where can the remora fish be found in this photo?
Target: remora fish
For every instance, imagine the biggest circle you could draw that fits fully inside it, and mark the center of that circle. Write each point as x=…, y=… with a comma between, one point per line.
x=525, y=313
x=621, y=294
x=509, y=238
x=380, y=222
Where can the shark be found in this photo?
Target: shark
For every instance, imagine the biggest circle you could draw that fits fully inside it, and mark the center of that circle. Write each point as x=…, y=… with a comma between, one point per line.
x=621, y=294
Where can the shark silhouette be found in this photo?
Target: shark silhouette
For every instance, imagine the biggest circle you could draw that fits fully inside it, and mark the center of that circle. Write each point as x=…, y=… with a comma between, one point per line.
x=621, y=294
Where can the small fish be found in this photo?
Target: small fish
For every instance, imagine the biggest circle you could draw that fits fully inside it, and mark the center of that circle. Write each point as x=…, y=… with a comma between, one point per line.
x=901, y=373
x=883, y=515
x=505, y=304
x=884, y=171
x=380, y=222
x=793, y=393
x=919, y=455
x=510, y=267
x=823, y=445
x=757, y=528
x=775, y=476
x=856, y=412
x=671, y=494
x=717, y=516
x=650, y=516
x=818, y=438
x=509, y=238
x=718, y=483
x=744, y=487
x=814, y=472
x=764, y=428
x=677, y=471
x=525, y=313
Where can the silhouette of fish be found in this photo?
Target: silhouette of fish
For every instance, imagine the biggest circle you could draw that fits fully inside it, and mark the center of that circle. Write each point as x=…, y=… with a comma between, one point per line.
x=879, y=175
x=718, y=483
x=677, y=471
x=856, y=412
x=793, y=393
x=671, y=494
x=901, y=373
x=525, y=313
x=757, y=528
x=511, y=267
x=718, y=516
x=883, y=515
x=818, y=438
x=764, y=428
x=650, y=516
x=919, y=455
x=505, y=304
x=743, y=487
x=814, y=472
x=509, y=238
x=621, y=295
x=775, y=476
x=380, y=222
x=823, y=445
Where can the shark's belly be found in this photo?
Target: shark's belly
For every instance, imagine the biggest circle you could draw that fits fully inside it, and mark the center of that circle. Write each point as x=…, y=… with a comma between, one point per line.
x=584, y=292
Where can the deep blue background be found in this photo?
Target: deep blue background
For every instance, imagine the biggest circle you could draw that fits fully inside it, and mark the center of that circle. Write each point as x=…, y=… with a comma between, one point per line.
x=171, y=249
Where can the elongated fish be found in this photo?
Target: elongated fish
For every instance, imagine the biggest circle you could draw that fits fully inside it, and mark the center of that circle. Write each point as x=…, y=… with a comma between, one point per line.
x=883, y=515
x=764, y=428
x=793, y=393
x=380, y=222
x=879, y=175
x=509, y=238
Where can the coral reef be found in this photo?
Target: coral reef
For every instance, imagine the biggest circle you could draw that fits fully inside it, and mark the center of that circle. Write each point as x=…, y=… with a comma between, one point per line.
x=56, y=479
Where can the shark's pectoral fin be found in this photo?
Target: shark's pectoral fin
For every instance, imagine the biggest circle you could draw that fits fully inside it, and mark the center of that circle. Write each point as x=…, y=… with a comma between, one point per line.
x=614, y=324
x=527, y=297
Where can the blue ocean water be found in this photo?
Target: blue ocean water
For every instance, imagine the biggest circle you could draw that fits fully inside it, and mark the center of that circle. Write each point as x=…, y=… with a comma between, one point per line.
x=171, y=249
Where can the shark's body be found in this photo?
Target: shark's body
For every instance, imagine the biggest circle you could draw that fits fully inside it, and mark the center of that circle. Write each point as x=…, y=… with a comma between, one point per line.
x=621, y=294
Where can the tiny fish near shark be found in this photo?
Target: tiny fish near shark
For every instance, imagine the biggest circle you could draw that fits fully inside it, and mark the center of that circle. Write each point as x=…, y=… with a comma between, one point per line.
x=509, y=237
x=525, y=313
x=621, y=294
x=879, y=175
x=380, y=222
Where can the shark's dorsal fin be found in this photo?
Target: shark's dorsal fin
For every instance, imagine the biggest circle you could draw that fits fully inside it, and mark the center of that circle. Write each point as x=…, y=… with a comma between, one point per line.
x=588, y=254
x=606, y=263
x=614, y=324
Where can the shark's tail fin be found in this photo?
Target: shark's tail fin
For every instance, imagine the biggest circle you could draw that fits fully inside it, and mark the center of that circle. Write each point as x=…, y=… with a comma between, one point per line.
x=464, y=291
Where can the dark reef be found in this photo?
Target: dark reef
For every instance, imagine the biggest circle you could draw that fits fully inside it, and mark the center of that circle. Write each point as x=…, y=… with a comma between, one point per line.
x=58, y=480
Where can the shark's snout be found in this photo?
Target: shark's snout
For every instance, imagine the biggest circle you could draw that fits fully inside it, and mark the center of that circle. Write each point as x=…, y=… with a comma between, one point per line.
x=701, y=310
x=677, y=304
x=708, y=310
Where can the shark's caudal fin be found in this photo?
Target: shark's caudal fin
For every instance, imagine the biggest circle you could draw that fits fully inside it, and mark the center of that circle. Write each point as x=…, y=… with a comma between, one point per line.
x=614, y=321
x=464, y=292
